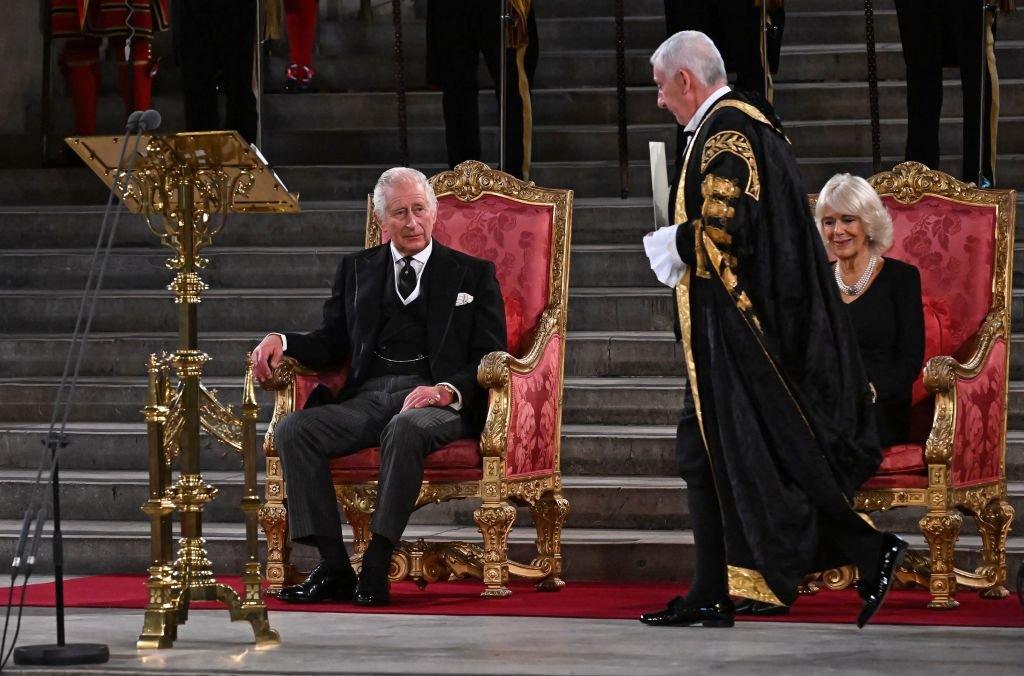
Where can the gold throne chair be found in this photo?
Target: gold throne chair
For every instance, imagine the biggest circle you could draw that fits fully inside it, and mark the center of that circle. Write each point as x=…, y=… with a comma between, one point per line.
x=961, y=240
x=525, y=230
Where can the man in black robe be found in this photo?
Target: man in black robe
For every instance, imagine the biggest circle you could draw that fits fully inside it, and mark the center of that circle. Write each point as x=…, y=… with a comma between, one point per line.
x=778, y=433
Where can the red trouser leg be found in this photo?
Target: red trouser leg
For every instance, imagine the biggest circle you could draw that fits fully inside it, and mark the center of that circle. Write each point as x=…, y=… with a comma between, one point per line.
x=135, y=79
x=80, y=60
x=300, y=16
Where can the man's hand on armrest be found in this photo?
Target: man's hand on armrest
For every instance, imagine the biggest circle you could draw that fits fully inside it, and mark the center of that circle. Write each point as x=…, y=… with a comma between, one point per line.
x=430, y=395
x=267, y=356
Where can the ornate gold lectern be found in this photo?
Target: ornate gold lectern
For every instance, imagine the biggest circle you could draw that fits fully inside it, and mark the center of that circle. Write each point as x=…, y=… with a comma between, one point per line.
x=185, y=185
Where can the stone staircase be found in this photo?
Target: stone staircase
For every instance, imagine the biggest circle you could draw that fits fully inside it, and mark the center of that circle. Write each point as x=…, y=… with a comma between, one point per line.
x=624, y=370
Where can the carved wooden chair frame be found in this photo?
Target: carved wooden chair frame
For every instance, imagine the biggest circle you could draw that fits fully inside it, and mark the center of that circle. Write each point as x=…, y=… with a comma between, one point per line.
x=943, y=502
x=428, y=562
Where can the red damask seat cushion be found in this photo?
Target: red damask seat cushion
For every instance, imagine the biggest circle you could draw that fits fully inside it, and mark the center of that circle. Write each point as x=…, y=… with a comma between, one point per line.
x=459, y=460
x=902, y=459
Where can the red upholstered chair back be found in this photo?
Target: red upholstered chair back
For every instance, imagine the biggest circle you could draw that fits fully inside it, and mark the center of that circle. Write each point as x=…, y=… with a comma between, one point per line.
x=515, y=231
x=952, y=245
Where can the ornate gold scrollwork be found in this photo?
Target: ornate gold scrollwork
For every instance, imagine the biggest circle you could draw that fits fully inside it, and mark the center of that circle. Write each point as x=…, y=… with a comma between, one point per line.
x=734, y=143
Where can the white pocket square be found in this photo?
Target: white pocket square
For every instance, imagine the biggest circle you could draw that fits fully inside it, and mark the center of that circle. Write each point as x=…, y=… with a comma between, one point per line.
x=463, y=299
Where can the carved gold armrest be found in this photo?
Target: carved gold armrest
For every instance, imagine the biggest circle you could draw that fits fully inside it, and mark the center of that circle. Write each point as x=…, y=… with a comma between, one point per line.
x=943, y=374
x=495, y=374
x=282, y=384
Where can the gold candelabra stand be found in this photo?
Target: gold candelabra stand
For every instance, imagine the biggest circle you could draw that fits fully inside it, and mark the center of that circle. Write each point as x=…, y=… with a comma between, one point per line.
x=185, y=185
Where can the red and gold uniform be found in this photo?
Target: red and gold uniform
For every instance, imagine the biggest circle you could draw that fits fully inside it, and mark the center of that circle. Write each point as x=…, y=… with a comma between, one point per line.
x=84, y=24
x=300, y=16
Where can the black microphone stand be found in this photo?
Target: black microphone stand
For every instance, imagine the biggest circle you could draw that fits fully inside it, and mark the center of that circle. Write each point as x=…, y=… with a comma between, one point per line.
x=62, y=653
x=503, y=22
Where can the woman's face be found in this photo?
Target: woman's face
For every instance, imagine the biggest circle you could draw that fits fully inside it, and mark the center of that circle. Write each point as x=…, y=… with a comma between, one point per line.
x=844, y=233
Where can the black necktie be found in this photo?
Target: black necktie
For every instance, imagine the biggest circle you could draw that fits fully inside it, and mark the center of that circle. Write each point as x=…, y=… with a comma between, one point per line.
x=406, y=278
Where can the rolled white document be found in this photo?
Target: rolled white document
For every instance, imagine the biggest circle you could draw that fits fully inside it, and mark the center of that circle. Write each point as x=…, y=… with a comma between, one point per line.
x=659, y=183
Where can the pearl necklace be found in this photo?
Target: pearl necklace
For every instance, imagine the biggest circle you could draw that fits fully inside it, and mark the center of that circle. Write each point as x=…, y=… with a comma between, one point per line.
x=857, y=287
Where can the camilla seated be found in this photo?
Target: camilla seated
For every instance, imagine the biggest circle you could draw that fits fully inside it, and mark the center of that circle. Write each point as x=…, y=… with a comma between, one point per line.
x=882, y=296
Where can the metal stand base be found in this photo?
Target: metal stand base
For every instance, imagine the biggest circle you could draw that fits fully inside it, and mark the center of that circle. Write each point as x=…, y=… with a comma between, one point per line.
x=57, y=655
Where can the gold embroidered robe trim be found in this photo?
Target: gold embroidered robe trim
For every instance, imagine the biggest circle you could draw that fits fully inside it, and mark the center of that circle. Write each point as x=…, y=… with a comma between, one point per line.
x=750, y=584
x=736, y=144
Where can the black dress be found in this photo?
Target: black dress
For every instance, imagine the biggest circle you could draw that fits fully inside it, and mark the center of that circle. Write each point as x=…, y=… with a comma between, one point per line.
x=889, y=321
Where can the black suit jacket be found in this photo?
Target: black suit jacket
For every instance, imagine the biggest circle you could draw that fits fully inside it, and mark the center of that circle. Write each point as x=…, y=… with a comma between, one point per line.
x=458, y=336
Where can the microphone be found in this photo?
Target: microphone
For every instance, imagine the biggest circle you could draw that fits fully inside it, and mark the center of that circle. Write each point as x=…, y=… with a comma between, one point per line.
x=36, y=539
x=22, y=541
x=149, y=120
x=132, y=124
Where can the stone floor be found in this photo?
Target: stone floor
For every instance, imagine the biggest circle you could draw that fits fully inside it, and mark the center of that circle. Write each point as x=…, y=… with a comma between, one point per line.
x=318, y=643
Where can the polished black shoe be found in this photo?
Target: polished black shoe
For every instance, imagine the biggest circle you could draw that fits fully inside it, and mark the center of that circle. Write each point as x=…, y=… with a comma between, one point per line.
x=373, y=588
x=873, y=594
x=760, y=608
x=676, y=614
x=323, y=585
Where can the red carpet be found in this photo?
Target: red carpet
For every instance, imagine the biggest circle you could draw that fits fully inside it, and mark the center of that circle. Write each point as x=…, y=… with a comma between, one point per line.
x=595, y=600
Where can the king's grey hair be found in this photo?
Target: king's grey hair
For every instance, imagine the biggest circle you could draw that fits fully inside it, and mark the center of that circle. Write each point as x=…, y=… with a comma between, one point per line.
x=397, y=175
x=852, y=195
x=693, y=51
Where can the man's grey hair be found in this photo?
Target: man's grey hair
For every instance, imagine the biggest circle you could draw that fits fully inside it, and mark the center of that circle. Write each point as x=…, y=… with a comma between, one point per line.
x=853, y=196
x=693, y=51
x=397, y=175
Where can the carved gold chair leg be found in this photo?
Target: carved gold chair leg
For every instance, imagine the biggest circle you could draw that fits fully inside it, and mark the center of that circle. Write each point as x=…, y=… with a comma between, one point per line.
x=994, y=522
x=549, y=514
x=942, y=529
x=360, y=522
x=495, y=523
x=273, y=518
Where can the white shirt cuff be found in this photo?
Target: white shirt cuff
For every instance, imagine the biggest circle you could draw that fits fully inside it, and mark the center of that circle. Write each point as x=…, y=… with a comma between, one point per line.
x=284, y=341
x=660, y=247
x=457, y=404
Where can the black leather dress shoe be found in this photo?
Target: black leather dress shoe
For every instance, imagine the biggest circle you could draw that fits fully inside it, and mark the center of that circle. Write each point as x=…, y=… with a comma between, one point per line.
x=323, y=584
x=373, y=588
x=760, y=608
x=676, y=614
x=889, y=559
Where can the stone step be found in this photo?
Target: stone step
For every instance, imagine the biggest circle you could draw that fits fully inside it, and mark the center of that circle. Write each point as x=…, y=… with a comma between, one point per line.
x=590, y=353
x=598, y=502
x=259, y=310
x=596, y=220
x=651, y=400
x=350, y=182
x=350, y=37
x=258, y=267
x=566, y=143
x=347, y=111
x=97, y=547
x=597, y=31
x=119, y=399
x=602, y=221
x=563, y=66
x=587, y=450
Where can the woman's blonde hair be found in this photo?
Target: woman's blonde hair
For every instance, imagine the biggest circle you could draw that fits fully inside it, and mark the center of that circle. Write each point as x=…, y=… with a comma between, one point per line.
x=852, y=195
